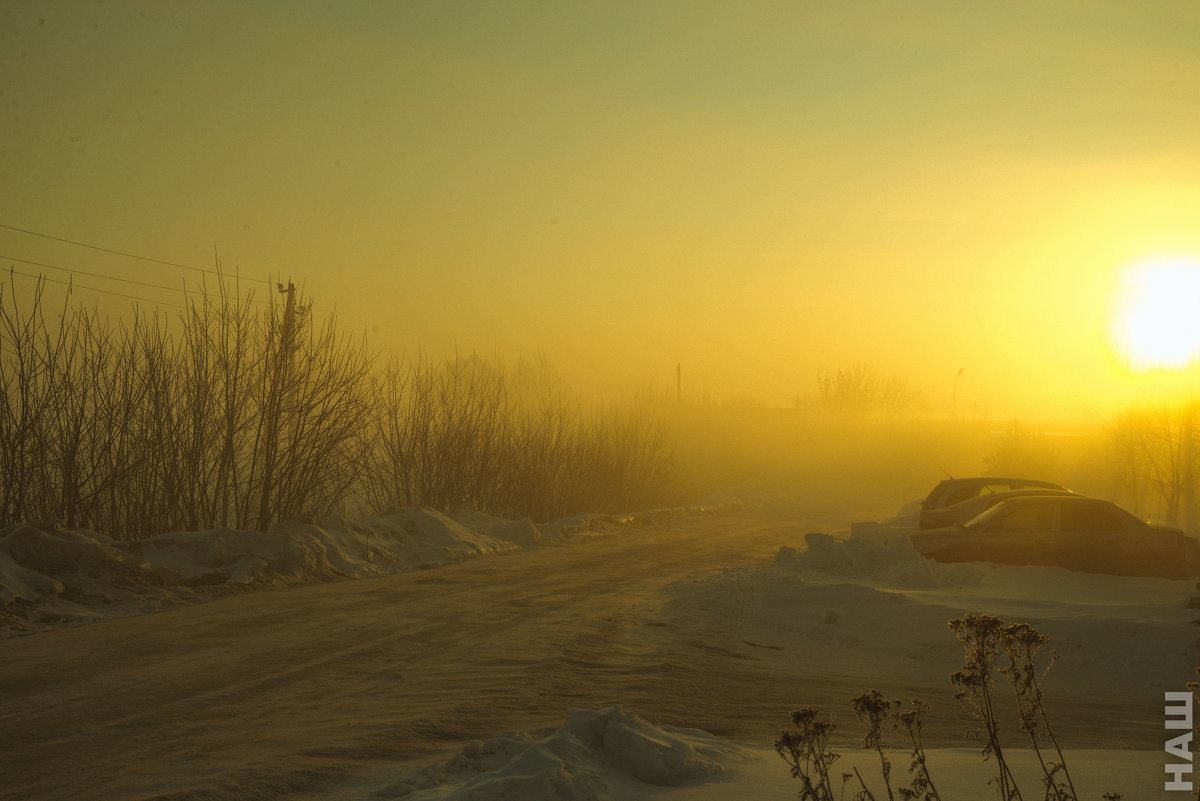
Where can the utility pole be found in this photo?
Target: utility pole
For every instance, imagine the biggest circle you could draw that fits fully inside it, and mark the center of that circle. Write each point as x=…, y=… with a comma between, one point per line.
x=275, y=403
x=954, y=395
x=289, y=310
x=1187, y=433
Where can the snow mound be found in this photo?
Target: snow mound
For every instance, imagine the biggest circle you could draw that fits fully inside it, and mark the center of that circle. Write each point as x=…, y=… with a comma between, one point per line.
x=893, y=562
x=39, y=560
x=520, y=533
x=50, y=576
x=594, y=755
x=591, y=523
x=53, y=577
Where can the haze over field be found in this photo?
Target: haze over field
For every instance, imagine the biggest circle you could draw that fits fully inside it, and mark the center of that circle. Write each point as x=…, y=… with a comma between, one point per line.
x=756, y=193
x=459, y=400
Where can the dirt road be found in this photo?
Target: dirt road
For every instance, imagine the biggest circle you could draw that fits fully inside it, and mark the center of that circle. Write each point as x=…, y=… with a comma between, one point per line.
x=288, y=692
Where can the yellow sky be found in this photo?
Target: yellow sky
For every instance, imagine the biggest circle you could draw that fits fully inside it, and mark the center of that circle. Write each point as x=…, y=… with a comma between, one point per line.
x=756, y=191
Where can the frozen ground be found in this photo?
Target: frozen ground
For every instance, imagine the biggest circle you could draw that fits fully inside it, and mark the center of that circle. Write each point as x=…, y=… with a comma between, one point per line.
x=426, y=656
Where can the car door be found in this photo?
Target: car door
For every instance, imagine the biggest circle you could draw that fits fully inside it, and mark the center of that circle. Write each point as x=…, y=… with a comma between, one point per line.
x=1020, y=534
x=1091, y=535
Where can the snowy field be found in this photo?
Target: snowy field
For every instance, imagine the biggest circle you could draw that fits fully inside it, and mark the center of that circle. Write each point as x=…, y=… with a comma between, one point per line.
x=422, y=655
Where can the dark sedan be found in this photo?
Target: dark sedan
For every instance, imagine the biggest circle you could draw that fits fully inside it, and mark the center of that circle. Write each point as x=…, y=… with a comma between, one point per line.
x=954, y=491
x=960, y=513
x=1069, y=531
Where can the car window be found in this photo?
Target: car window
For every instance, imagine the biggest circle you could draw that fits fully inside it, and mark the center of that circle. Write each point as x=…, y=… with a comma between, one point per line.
x=1078, y=517
x=974, y=491
x=982, y=519
x=952, y=491
x=1027, y=517
x=960, y=495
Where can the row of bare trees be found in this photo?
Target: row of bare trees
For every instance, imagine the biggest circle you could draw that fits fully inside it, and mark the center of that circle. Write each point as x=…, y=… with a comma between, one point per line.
x=1156, y=460
x=1147, y=458
x=860, y=391
x=229, y=415
x=512, y=442
x=238, y=413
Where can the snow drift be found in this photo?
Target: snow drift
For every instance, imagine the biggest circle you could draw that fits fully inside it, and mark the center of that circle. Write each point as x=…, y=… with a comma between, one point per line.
x=592, y=754
x=52, y=577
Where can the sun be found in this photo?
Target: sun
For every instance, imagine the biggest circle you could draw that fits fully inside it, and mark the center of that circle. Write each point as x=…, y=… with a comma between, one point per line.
x=1157, y=320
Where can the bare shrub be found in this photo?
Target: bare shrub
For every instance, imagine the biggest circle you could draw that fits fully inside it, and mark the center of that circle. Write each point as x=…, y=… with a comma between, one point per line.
x=984, y=639
x=859, y=391
x=226, y=417
x=438, y=434
x=68, y=398
x=468, y=430
x=315, y=404
x=980, y=637
x=1154, y=453
x=235, y=415
x=30, y=353
x=806, y=750
x=623, y=461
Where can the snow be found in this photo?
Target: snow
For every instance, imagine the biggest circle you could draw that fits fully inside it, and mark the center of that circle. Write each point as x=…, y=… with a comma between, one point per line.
x=857, y=605
x=50, y=577
x=575, y=763
x=592, y=753
x=613, y=754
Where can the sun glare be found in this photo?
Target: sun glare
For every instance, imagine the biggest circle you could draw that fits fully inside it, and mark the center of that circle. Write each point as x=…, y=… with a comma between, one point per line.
x=1157, y=323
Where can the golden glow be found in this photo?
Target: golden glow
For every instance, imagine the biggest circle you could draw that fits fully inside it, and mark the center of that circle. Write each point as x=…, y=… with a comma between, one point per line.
x=758, y=192
x=1158, y=319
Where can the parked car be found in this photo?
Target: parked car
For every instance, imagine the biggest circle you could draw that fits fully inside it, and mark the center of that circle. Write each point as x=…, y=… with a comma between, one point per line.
x=1064, y=530
x=953, y=491
x=959, y=513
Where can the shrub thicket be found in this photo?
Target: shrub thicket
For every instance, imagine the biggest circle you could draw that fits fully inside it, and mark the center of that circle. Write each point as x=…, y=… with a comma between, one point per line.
x=466, y=429
x=239, y=413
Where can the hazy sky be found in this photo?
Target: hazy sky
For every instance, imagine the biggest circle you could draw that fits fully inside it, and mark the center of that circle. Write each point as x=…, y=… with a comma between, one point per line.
x=757, y=190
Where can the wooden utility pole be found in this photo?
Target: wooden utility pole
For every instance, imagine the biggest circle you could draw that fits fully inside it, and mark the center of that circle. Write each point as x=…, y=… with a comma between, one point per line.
x=289, y=310
x=283, y=359
x=954, y=395
x=1187, y=434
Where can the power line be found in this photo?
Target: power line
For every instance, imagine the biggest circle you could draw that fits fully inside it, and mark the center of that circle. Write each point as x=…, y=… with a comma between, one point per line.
x=93, y=275
x=74, y=285
x=74, y=270
x=123, y=253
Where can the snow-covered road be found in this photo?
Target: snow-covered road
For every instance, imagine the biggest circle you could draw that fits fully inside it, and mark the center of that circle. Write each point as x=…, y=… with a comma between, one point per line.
x=699, y=621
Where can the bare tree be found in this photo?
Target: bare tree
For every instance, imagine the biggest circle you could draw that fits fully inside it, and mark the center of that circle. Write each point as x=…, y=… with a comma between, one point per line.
x=859, y=391
x=1155, y=447
x=29, y=353
x=229, y=415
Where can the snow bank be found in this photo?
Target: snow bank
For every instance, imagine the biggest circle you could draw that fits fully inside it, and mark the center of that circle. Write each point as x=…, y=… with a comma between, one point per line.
x=50, y=576
x=592, y=756
x=43, y=565
x=890, y=562
x=859, y=604
x=599, y=524
x=613, y=755
x=575, y=764
x=53, y=577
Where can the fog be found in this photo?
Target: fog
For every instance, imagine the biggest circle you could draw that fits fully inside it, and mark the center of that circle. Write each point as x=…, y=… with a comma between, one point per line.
x=757, y=196
x=301, y=569
x=243, y=415
x=473, y=400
